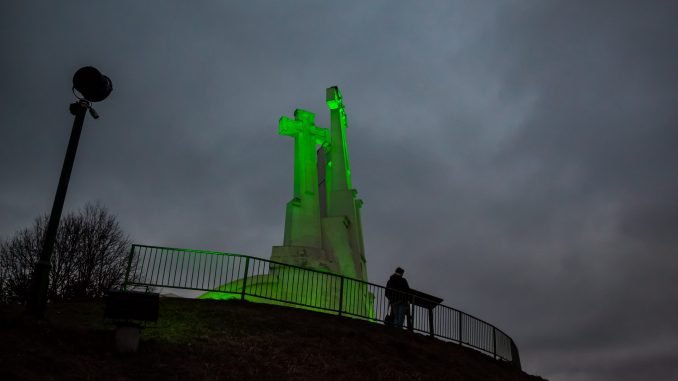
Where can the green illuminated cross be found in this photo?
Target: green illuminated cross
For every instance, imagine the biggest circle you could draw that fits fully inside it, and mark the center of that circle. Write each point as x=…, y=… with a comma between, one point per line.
x=341, y=168
x=333, y=98
x=306, y=137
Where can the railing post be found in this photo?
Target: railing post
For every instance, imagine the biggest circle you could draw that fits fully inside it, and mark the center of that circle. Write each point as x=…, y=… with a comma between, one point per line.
x=129, y=267
x=244, y=279
x=430, y=322
x=515, y=356
x=494, y=342
x=410, y=314
x=460, y=329
x=341, y=294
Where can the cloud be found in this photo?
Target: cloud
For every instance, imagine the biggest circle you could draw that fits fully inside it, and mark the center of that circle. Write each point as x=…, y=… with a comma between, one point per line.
x=516, y=158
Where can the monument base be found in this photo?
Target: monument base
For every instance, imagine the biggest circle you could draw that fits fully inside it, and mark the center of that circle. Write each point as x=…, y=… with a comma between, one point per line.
x=307, y=257
x=290, y=287
x=337, y=239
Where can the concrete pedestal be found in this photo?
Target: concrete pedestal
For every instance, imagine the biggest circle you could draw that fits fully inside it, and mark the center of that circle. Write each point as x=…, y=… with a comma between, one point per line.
x=127, y=338
x=308, y=257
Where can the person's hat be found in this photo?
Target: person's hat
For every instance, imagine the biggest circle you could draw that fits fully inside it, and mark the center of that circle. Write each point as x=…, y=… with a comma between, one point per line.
x=399, y=271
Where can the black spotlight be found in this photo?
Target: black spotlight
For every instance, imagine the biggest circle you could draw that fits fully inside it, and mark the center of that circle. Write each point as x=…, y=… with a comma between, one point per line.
x=93, y=85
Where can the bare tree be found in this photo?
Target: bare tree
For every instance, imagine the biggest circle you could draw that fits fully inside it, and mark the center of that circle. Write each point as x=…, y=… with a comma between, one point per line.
x=18, y=255
x=89, y=256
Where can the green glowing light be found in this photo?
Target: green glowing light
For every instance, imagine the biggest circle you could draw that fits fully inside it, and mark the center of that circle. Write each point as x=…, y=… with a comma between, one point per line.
x=334, y=98
x=281, y=287
x=330, y=239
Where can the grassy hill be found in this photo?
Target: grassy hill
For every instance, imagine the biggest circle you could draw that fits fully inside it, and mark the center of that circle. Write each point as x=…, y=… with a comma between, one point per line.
x=230, y=340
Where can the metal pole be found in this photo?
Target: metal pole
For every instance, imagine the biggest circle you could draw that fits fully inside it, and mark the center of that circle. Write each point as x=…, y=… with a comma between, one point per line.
x=341, y=294
x=129, y=268
x=494, y=342
x=244, y=280
x=430, y=322
x=515, y=356
x=410, y=314
x=40, y=283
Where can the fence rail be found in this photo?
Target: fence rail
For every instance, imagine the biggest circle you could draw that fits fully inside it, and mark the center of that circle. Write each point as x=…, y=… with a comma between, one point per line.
x=224, y=275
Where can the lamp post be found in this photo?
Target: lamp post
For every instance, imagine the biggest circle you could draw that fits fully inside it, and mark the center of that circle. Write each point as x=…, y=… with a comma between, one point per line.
x=93, y=87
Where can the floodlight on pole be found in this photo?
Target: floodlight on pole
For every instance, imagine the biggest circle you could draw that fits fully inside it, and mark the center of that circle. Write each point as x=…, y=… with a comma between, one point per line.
x=93, y=87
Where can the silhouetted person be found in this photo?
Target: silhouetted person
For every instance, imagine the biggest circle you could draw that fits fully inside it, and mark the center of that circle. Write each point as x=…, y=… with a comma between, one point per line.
x=396, y=293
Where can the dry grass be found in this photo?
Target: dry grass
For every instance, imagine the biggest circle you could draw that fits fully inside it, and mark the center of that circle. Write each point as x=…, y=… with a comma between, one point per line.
x=216, y=340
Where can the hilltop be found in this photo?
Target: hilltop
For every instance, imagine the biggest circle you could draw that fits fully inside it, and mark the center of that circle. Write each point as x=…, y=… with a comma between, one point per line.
x=231, y=340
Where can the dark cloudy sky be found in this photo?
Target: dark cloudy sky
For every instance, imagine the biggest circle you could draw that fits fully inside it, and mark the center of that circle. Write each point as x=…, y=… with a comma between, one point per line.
x=517, y=158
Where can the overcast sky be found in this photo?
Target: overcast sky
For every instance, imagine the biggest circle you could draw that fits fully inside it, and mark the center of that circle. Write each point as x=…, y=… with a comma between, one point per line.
x=517, y=158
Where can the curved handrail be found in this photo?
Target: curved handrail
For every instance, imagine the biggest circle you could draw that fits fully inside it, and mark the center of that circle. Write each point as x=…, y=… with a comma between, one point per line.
x=272, y=281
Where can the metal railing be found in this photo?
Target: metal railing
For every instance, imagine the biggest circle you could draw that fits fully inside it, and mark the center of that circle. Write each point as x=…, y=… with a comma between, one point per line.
x=228, y=276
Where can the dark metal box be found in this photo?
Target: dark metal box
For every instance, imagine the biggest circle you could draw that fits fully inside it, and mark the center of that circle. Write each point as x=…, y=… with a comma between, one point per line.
x=132, y=306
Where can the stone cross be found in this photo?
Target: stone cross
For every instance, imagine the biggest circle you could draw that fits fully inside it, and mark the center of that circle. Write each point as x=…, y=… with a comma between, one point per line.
x=329, y=239
x=306, y=137
x=341, y=167
x=302, y=225
x=342, y=206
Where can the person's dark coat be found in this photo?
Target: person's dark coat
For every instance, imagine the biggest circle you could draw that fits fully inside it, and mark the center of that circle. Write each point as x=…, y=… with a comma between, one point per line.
x=397, y=283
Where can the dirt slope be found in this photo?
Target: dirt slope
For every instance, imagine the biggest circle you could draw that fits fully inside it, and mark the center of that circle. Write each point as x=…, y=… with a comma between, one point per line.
x=213, y=340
